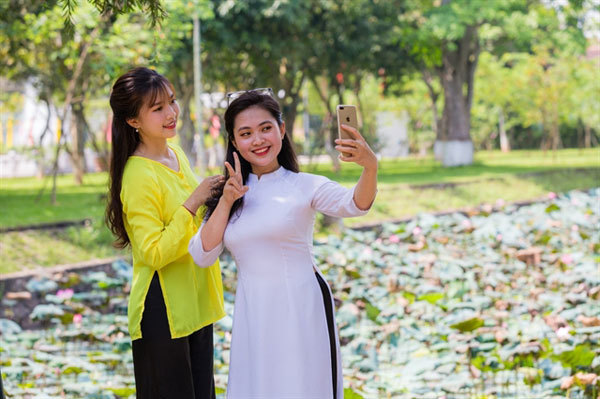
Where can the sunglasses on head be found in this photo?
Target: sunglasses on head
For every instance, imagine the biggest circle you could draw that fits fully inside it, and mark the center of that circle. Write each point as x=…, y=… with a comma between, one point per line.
x=263, y=90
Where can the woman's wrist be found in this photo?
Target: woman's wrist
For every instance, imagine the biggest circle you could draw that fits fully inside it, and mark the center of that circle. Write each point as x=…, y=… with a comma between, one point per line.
x=224, y=202
x=191, y=205
x=371, y=169
x=189, y=210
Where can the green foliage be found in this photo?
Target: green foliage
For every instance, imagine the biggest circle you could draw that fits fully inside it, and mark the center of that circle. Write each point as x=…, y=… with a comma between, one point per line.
x=90, y=235
x=531, y=375
x=581, y=356
x=420, y=105
x=551, y=208
x=372, y=311
x=349, y=393
x=433, y=31
x=486, y=363
x=468, y=325
x=410, y=296
x=349, y=51
x=123, y=392
x=432, y=297
x=152, y=7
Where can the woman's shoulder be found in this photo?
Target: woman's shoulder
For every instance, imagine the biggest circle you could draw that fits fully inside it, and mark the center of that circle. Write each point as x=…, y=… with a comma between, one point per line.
x=311, y=177
x=138, y=172
x=307, y=182
x=138, y=180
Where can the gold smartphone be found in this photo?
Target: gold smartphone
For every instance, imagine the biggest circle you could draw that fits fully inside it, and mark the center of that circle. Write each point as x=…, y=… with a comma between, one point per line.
x=346, y=114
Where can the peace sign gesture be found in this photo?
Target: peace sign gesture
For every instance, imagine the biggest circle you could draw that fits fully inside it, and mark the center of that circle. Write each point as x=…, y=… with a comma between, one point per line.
x=356, y=149
x=234, y=186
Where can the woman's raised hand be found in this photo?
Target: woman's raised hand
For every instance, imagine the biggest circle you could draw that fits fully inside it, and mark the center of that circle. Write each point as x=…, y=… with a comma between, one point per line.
x=357, y=149
x=202, y=193
x=208, y=185
x=234, y=186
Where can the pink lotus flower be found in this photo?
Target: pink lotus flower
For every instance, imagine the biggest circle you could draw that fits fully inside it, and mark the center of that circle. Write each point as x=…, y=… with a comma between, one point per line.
x=567, y=259
x=77, y=318
x=499, y=237
x=500, y=202
x=394, y=239
x=466, y=223
x=65, y=294
x=417, y=231
x=574, y=228
x=551, y=195
x=563, y=333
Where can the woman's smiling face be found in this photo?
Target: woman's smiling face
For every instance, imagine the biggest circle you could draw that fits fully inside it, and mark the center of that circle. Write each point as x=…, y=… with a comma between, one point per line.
x=159, y=119
x=258, y=137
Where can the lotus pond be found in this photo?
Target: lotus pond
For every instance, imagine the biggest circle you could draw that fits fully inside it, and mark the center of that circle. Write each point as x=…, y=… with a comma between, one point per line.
x=500, y=303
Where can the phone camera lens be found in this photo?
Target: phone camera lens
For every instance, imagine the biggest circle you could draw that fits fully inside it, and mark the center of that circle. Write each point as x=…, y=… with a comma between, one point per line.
x=347, y=119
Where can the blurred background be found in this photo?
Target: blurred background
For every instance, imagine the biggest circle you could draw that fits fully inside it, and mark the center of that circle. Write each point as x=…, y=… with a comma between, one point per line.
x=448, y=77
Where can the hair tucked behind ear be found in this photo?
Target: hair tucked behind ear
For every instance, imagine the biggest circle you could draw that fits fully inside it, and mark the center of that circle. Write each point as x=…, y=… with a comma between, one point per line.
x=286, y=157
x=130, y=92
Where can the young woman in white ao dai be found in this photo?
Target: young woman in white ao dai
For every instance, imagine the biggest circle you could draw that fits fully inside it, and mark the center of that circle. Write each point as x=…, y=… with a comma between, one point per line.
x=281, y=344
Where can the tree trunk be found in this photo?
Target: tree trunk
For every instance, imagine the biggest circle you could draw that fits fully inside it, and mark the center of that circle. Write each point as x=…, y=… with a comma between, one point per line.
x=41, y=155
x=290, y=110
x=55, y=165
x=457, y=148
x=504, y=143
x=456, y=118
x=328, y=127
x=587, y=137
x=184, y=85
x=292, y=85
x=554, y=129
x=436, y=123
x=78, y=142
x=72, y=87
x=457, y=76
x=102, y=160
x=188, y=128
x=556, y=142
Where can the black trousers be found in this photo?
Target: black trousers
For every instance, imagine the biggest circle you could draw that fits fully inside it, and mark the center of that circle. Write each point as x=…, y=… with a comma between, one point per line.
x=331, y=329
x=166, y=368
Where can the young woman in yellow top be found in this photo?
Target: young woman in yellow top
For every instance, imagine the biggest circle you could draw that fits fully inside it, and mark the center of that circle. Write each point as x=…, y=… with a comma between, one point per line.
x=155, y=205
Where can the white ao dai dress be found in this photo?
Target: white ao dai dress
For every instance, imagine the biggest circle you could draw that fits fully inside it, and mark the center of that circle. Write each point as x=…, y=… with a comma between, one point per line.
x=280, y=345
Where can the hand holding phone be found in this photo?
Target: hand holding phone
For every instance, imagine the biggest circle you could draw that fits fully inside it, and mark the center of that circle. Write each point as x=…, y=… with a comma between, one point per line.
x=346, y=114
x=351, y=143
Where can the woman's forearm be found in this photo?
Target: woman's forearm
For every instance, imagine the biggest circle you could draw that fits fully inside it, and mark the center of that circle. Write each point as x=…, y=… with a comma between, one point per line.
x=192, y=204
x=214, y=228
x=364, y=192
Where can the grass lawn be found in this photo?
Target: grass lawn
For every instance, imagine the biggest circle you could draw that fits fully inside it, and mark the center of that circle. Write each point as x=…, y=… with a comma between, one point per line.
x=406, y=187
x=20, y=204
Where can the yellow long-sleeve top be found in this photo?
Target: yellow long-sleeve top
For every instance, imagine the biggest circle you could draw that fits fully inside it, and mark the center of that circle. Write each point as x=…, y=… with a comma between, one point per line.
x=159, y=229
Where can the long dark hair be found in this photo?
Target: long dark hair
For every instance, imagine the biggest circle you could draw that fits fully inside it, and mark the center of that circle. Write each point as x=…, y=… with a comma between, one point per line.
x=130, y=92
x=286, y=157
